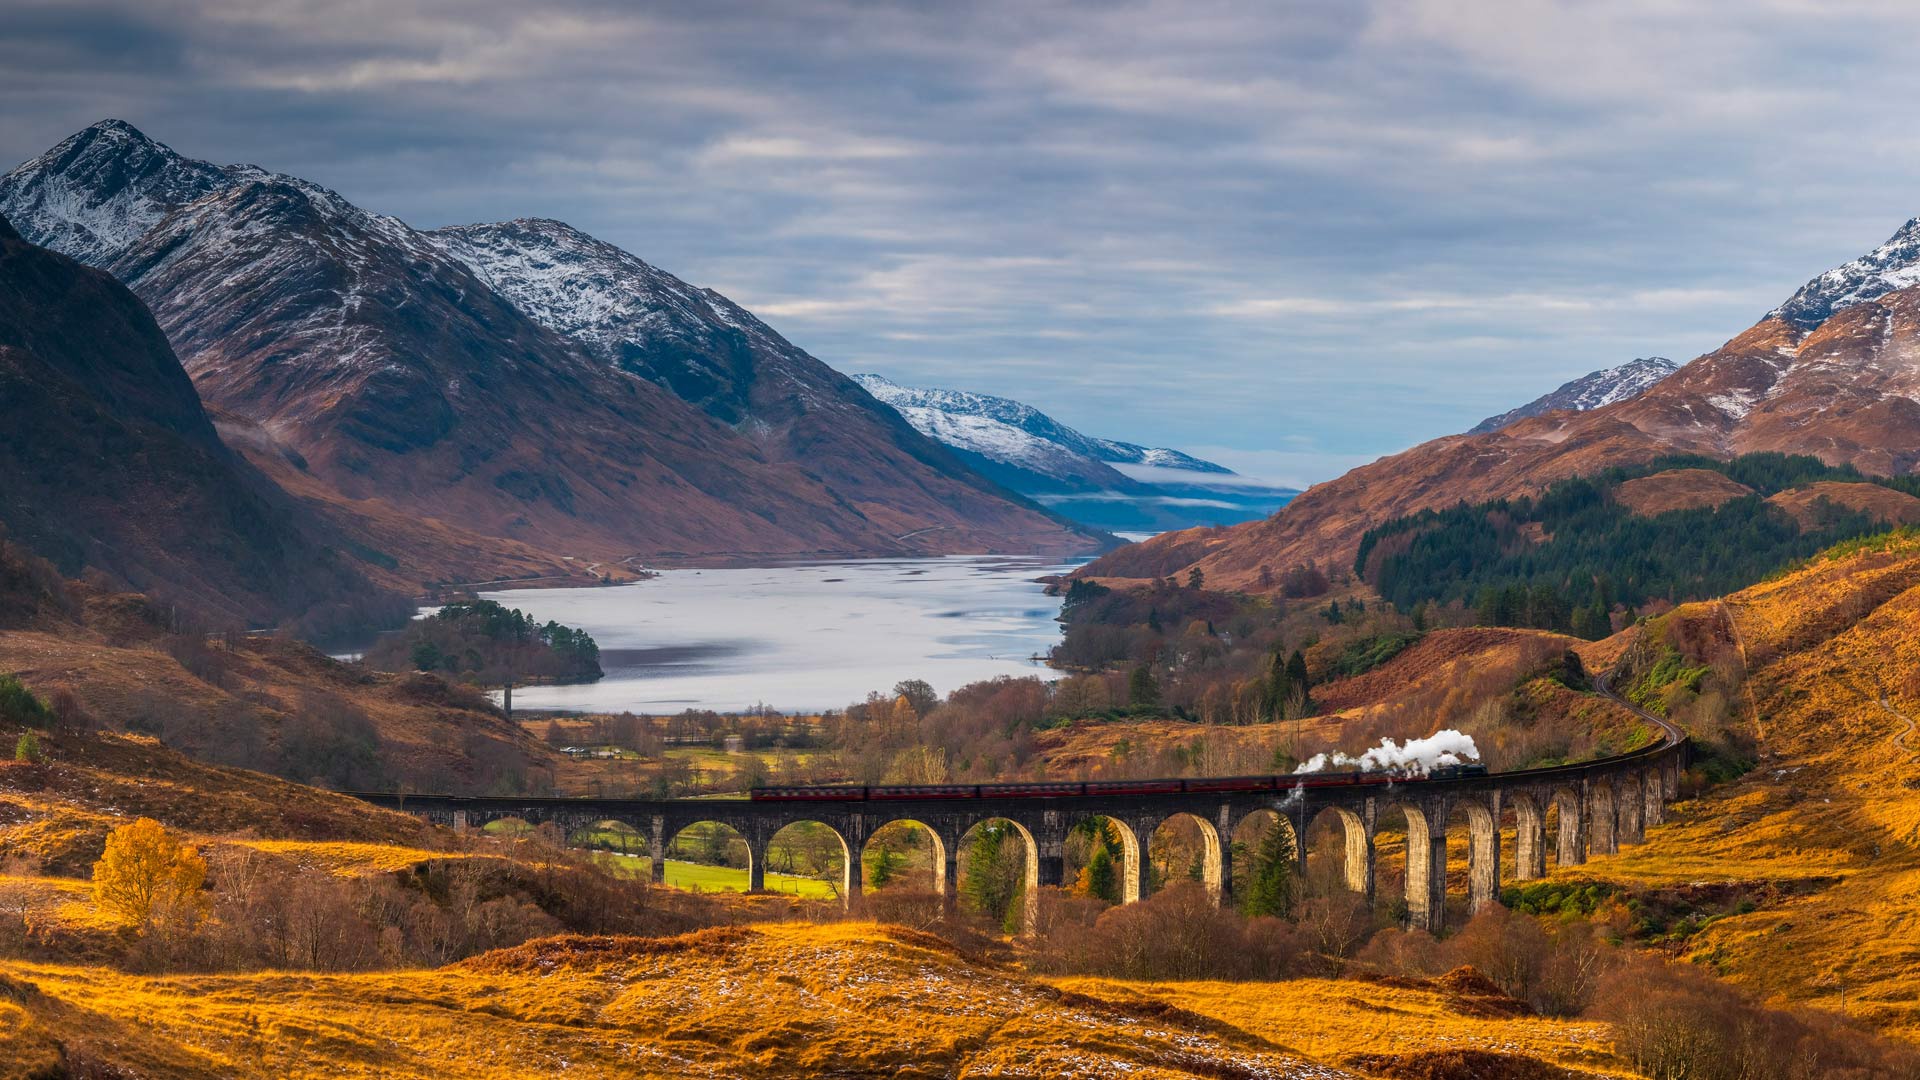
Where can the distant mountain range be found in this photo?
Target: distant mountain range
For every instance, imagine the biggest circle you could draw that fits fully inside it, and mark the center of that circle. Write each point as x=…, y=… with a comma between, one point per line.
x=1834, y=372
x=1590, y=391
x=1105, y=483
x=518, y=381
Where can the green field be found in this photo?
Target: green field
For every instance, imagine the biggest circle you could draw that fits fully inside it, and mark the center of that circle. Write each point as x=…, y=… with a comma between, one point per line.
x=687, y=875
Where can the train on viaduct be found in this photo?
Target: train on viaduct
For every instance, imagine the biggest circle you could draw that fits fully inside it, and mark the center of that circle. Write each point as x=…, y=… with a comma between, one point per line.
x=1598, y=806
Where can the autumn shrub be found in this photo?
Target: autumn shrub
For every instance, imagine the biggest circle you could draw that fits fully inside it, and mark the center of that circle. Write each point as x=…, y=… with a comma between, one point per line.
x=1180, y=933
x=1676, y=1022
x=148, y=877
x=1554, y=968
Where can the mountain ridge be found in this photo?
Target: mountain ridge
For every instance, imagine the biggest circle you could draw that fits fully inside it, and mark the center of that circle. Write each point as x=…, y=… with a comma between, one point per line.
x=1846, y=390
x=1590, y=391
x=382, y=364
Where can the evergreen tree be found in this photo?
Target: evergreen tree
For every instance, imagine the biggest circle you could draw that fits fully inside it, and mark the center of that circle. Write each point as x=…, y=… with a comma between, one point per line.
x=1101, y=878
x=1273, y=888
x=991, y=886
x=1142, y=689
x=18, y=705
x=1299, y=683
x=884, y=865
x=1279, y=685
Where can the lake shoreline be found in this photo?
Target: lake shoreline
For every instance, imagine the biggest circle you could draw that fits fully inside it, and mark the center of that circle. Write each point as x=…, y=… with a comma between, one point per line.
x=799, y=635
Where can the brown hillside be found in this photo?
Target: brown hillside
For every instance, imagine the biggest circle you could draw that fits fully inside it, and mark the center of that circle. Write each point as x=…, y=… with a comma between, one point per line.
x=113, y=661
x=1833, y=809
x=267, y=701
x=1887, y=506
x=59, y=813
x=1441, y=657
x=1678, y=489
x=111, y=467
x=1844, y=391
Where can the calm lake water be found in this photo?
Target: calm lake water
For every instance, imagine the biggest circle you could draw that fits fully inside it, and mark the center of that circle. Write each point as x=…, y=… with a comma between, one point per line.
x=800, y=636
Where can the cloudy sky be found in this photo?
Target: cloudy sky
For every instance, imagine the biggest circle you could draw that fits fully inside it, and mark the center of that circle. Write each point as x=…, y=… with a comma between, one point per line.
x=1293, y=236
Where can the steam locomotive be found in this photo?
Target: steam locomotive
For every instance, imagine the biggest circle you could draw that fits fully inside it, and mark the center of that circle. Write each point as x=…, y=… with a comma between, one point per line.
x=1046, y=790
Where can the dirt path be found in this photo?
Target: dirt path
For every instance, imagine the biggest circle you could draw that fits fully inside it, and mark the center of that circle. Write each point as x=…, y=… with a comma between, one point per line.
x=1746, y=669
x=1904, y=740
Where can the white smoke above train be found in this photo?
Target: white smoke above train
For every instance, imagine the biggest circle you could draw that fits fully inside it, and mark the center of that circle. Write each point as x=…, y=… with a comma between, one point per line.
x=1415, y=757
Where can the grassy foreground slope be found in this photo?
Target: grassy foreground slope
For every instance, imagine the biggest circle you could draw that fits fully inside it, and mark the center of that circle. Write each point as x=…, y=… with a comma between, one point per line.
x=849, y=999
x=1832, y=811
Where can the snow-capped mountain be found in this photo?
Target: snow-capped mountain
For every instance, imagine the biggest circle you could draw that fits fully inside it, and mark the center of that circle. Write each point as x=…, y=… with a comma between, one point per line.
x=486, y=376
x=99, y=190
x=1590, y=391
x=1833, y=373
x=998, y=418
x=1893, y=265
x=635, y=316
x=1104, y=482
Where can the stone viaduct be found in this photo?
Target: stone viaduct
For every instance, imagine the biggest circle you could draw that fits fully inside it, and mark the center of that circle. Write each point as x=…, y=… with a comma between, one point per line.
x=1600, y=805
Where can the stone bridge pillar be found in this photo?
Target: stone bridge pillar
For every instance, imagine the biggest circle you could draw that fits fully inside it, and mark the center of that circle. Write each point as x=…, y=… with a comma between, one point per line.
x=1362, y=874
x=1653, y=788
x=1602, y=839
x=947, y=876
x=657, y=848
x=1629, y=804
x=1051, y=840
x=1136, y=880
x=1572, y=804
x=759, y=837
x=855, y=835
x=1483, y=852
x=1427, y=863
x=1530, y=835
x=1222, y=826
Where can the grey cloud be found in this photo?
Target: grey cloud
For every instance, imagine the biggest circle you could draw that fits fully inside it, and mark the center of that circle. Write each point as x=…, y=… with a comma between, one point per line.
x=1306, y=233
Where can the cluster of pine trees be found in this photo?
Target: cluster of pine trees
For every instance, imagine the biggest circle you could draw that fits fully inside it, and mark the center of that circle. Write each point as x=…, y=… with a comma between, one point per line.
x=484, y=641
x=1565, y=559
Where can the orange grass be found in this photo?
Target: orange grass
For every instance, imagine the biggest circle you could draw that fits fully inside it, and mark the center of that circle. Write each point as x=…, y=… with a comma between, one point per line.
x=778, y=1000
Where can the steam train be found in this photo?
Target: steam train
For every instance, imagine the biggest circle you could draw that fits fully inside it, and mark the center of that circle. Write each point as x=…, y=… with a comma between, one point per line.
x=1044, y=790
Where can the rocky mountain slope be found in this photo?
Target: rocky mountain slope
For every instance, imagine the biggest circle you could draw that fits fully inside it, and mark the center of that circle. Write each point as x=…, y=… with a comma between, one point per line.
x=1891, y=266
x=1104, y=482
x=715, y=355
x=1843, y=386
x=1590, y=391
x=367, y=356
x=113, y=468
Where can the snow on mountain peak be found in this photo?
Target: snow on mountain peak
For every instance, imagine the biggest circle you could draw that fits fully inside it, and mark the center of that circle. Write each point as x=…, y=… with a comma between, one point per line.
x=1590, y=391
x=96, y=192
x=1014, y=432
x=1891, y=266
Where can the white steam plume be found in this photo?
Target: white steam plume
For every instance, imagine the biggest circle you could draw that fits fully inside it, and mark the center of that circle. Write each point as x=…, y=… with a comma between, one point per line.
x=1417, y=757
